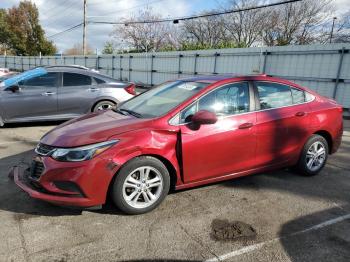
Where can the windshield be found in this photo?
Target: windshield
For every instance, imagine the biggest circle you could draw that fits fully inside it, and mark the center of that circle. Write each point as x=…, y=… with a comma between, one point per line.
x=23, y=76
x=161, y=99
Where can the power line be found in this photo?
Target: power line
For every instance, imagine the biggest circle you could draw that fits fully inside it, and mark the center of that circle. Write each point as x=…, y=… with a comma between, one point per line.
x=176, y=20
x=180, y=18
x=57, y=12
x=58, y=16
x=66, y=30
x=127, y=9
x=99, y=3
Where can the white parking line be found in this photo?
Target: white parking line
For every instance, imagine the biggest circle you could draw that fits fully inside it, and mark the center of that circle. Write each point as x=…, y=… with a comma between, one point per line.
x=251, y=248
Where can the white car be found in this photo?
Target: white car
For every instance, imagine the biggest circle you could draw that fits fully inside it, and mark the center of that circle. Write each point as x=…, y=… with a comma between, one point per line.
x=4, y=71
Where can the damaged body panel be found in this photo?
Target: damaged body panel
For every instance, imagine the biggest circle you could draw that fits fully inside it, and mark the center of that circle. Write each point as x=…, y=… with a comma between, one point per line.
x=182, y=134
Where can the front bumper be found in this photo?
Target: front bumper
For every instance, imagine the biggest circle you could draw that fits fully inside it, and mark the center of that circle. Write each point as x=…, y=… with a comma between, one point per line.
x=91, y=181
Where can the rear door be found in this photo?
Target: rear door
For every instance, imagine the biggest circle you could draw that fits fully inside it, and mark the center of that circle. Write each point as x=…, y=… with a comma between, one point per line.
x=282, y=123
x=76, y=94
x=37, y=98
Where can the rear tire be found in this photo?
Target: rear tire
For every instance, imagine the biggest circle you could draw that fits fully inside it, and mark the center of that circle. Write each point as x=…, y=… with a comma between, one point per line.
x=140, y=185
x=313, y=156
x=103, y=105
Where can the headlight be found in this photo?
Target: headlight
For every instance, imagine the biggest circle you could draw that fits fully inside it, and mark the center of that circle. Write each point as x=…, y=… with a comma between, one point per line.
x=81, y=153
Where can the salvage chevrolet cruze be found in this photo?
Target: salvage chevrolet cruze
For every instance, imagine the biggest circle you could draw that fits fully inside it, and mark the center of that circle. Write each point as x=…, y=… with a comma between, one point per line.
x=182, y=134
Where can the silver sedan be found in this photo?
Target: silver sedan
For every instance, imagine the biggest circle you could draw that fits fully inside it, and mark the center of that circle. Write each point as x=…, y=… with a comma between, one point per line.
x=59, y=93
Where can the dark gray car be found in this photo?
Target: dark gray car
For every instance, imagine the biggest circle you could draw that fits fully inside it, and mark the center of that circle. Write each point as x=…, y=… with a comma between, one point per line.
x=59, y=93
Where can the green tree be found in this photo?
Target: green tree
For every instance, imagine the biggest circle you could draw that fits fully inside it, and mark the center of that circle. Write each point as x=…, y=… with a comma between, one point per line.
x=4, y=32
x=25, y=34
x=109, y=48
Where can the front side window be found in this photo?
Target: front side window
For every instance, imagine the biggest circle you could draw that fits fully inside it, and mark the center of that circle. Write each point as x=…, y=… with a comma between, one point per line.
x=46, y=80
x=227, y=100
x=73, y=79
x=272, y=95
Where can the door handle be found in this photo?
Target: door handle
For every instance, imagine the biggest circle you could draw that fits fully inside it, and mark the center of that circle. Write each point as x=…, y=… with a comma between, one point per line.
x=48, y=93
x=93, y=89
x=245, y=126
x=300, y=113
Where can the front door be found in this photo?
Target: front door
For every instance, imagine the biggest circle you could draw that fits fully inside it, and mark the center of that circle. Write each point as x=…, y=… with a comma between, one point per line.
x=36, y=98
x=223, y=148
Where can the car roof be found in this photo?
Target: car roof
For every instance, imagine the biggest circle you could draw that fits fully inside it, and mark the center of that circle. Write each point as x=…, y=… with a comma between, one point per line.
x=220, y=77
x=227, y=77
x=81, y=70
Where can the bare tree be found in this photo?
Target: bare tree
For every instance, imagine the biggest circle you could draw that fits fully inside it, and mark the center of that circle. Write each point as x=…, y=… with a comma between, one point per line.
x=144, y=36
x=342, y=29
x=207, y=32
x=245, y=28
x=295, y=23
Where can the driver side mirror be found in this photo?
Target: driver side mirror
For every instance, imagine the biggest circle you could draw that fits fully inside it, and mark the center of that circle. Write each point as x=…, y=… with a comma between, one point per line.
x=204, y=117
x=14, y=88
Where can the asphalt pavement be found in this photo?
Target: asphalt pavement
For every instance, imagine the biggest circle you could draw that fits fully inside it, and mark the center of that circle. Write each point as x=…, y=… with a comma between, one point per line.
x=274, y=216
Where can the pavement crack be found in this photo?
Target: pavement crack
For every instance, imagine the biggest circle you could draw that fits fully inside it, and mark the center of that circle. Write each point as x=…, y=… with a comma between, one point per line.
x=23, y=241
x=338, y=206
x=198, y=242
x=150, y=230
x=340, y=167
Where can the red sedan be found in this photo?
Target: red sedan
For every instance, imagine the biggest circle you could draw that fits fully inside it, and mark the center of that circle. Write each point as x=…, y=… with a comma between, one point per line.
x=183, y=134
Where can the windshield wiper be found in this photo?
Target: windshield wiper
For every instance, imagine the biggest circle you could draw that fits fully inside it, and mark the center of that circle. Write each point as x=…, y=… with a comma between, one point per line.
x=117, y=110
x=130, y=112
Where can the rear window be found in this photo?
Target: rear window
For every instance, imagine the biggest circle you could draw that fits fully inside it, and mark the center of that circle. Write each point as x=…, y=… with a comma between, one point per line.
x=73, y=79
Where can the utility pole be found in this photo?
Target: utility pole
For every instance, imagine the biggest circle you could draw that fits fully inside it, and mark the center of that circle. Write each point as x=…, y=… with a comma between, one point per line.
x=84, y=29
x=331, y=37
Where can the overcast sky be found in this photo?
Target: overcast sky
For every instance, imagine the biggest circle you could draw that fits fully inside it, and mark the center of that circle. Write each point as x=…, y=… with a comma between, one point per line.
x=58, y=15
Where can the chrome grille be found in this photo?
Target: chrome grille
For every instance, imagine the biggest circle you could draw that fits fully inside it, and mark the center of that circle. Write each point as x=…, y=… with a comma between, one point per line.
x=36, y=169
x=43, y=149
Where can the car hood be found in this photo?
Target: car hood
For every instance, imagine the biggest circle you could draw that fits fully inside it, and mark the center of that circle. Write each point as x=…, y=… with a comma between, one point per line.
x=91, y=128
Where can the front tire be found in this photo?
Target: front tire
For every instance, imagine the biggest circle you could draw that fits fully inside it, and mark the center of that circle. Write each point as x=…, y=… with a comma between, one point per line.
x=140, y=185
x=313, y=156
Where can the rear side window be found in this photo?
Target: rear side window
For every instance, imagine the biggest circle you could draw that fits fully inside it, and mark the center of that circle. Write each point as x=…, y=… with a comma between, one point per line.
x=99, y=81
x=298, y=96
x=309, y=97
x=272, y=95
x=47, y=80
x=73, y=79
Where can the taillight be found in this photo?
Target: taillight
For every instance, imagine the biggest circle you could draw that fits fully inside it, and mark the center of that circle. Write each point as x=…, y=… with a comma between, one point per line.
x=130, y=89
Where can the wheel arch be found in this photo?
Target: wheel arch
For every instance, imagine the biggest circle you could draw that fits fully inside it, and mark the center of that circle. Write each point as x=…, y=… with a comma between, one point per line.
x=326, y=135
x=170, y=167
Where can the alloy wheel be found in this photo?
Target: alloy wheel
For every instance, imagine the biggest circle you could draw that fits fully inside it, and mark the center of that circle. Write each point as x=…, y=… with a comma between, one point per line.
x=143, y=187
x=315, y=156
